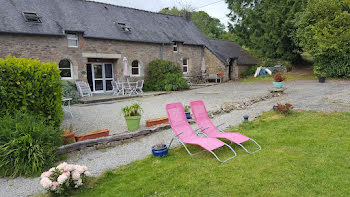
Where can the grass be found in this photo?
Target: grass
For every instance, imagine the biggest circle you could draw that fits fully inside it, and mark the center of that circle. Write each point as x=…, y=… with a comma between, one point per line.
x=291, y=76
x=304, y=154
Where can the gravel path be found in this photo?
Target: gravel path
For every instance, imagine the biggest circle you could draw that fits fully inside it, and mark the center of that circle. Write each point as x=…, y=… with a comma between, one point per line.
x=309, y=95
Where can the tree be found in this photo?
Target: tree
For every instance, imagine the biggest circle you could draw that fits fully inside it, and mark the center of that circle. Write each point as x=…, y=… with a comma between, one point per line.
x=266, y=26
x=323, y=31
x=209, y=26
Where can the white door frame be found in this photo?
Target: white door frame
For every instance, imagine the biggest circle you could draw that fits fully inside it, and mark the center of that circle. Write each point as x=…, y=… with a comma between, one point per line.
x=104, y=79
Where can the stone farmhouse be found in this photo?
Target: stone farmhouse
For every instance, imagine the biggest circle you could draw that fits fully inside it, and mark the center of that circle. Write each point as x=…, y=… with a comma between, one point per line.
x=89, y=40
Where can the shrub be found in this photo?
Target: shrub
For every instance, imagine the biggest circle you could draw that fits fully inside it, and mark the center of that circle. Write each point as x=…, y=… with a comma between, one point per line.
x=278, y=77
x=284, y=108
x=133, y=110
x=63, y=178
x=164, y=75
x=29, y=85
x=27, y=144
x=70, y=91
x=250, y=71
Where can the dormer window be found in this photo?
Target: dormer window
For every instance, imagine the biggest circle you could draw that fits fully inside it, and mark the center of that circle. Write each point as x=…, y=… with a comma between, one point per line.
x=124, y=27
x=31, y=17
x=73, y=40
x=175, y=48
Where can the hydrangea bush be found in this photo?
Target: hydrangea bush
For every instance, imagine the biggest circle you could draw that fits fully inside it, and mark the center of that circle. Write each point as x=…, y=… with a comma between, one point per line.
x=63, y=178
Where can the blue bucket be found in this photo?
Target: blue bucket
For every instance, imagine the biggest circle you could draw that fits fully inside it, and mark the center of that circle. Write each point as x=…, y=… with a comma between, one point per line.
x=160, y=152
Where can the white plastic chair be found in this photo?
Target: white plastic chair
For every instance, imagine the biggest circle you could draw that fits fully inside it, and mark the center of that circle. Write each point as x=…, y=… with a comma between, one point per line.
x=139, y=86
x=118, y=88
x=83, y=88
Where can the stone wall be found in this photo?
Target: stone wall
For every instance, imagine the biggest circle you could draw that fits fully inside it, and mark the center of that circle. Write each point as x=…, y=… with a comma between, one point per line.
x=55, y=48
x=214, y=65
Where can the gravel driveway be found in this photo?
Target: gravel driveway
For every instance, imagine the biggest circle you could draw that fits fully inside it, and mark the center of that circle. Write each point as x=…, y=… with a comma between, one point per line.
x=308, y=95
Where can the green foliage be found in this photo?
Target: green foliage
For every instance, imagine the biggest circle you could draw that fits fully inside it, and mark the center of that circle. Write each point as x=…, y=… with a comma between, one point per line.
x=133, y=110
x=318, y=71
x=164, y=75
x=209, y=26
x=323, y=31
x=27, y=144
x=70, y=91
x=266, y=26
x=250, y=71
x=30, y=85
x=187, y=108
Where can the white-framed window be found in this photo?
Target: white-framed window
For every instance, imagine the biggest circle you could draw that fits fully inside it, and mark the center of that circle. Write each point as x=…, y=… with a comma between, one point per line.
x=175, y=48
x=73, y=40
x=185, y=65
x=66, y=69
x=135, y=68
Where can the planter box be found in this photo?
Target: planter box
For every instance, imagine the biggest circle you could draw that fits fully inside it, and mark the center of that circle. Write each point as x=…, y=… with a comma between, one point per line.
x=92, y=135
x=68, y=138
x=156, y=121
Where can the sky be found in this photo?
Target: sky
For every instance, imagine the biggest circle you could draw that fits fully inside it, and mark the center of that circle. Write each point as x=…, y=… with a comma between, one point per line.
x=215, y=8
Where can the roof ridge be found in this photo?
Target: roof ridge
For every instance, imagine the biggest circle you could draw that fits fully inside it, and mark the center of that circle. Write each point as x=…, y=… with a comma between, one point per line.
x=97, y=2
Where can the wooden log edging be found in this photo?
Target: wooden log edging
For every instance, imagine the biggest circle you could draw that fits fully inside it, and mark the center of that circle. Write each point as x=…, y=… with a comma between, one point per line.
x=108, y=139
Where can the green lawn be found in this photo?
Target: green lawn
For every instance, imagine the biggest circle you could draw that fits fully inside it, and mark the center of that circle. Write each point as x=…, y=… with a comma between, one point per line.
x=291, y=76
x=304, y=154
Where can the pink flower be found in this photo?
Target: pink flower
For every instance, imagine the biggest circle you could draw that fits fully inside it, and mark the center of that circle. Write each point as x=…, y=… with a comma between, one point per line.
x=46, y=183
x=52, y=169
x=66, y=173
x=62, y=178
x=46, y=174
x=54, y=185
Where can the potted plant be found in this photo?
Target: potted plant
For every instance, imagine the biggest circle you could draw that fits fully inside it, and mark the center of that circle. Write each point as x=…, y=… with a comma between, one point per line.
x=188, y=111
x=278, y=80
x=68, y=135
x=160, y=150
x=320, y=74
x=132, y=115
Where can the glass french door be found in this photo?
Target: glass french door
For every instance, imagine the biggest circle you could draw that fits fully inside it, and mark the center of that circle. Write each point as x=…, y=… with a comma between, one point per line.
x=101, y=77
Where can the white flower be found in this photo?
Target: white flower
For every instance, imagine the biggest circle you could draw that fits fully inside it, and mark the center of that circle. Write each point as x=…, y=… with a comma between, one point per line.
x=62, y=178
x=62, y=166
x=75, y=175
x=79, y=182
x=46, y=183
x=69, y=167
x=52, y=169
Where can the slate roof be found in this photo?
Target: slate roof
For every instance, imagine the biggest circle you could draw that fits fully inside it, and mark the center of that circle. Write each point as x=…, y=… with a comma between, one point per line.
x=97, y=20
x=100, y=20
x=224, y=50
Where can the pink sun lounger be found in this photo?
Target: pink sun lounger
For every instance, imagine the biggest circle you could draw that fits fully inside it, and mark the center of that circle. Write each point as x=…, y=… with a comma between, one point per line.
x=186, y=135
x=203, y=121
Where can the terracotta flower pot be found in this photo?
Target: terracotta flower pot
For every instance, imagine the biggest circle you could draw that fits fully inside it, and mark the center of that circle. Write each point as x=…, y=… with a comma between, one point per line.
x=92, y=135
x=68, y=137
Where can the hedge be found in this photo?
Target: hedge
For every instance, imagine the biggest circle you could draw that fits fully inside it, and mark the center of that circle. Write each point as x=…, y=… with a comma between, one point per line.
x=31, y=86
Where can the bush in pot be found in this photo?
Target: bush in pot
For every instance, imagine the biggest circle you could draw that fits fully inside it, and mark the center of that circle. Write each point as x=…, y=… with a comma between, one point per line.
x=318, y=71
x=278, y=80
x=132, y=115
